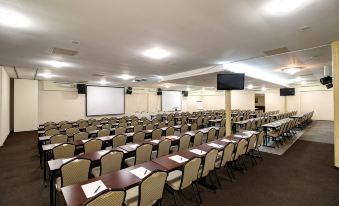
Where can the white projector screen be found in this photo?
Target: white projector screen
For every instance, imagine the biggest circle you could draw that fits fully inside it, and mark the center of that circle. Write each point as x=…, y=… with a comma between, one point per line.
x=105, y=100
x=171, y=100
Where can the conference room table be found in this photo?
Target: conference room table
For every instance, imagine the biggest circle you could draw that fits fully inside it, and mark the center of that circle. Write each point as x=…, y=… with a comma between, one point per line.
x=273, y=125
x=244, y=122
x=214, y=122
x=193, y=120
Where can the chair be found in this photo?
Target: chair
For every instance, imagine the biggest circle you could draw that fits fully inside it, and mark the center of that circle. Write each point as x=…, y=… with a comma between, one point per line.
x=156, y=134
x=198, y=139
x=179, y=180
x=122, y=124
x=161, y=125
x=163, y=149
x=65, y=126
x=119, y=140
x=184, y=128
x=70, y=132
x=103, y=133
x=170, y=131
x=222, y=132
x=199, y=122
x=194, y=126
x=83, y=125
x=170, y=123
x=259, y=142
x=65, y=150
x=240, y=150
x=107, y=126
x=142, y=154
x=109, y=162
x=134, y=123
x=50, y=126
x=91, y=128
x=80, y=136
x=138, y=128
x=223, y=123
x=149, y=126
x=209, y=165
x=250, y=147
x=120, y=130
x=149, y=192
x=52, y=132
x=95, y=123
x=138, y=137
x=211, y=135
x=107, y=197
x=59, y=138
x=92, y=145
x=224, y=157
x=184, y=143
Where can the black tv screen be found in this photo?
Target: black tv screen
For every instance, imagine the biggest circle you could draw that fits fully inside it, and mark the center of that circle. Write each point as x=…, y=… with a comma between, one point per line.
x=230, y=81
x=287, y=92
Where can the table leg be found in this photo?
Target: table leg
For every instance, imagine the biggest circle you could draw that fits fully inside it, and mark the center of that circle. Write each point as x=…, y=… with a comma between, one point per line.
x=51, y=189
x=45, y=168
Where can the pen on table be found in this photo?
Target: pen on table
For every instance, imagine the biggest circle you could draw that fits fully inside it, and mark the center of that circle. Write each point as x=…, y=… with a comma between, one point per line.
x=145, y=172
x=97, y=189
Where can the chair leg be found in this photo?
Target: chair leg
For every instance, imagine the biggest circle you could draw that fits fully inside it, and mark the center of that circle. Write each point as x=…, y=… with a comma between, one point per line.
x=243, y=162
x=175, y=199
x=195, y=195
x=217, y=178
x=196, y=186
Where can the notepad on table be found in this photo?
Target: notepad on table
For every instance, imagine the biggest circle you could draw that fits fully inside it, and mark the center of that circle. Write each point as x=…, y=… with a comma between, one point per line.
x=156, y=141
x=85, y=140
x=140, y=172
x=102, y=152
x=134, y=146
x=227, y=140
x=93, y=188
x=198, y=151
x=215, y=145
x=67, y=159
x=178, y=159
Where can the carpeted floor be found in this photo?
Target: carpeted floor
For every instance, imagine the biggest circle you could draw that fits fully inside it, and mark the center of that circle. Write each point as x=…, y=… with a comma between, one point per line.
x=304, y=175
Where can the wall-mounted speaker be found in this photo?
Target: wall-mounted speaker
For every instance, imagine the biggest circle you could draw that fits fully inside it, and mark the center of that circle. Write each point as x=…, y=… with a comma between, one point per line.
x=82, y=88
x=129, y=90
x=159, y=92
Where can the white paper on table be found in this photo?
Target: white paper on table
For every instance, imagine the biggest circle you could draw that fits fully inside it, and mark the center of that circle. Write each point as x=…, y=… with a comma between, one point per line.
x=178, y=159
x=134, y=146
x=140, y=172
x=91, y=189
x=102, y=152
x=215, y=145
x=156, y=141
x=67, y=160
x=85, y=140
x=198, y=151
x=237, y=135
x=227, y=140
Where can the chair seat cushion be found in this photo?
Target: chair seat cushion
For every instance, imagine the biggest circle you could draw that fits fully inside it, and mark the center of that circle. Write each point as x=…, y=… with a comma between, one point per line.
x=132, y=196
x=96, y=171
x=130, y=161
x=174, y=179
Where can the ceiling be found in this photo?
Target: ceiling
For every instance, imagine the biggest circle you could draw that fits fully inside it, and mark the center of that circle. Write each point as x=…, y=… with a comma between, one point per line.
x=113, y=34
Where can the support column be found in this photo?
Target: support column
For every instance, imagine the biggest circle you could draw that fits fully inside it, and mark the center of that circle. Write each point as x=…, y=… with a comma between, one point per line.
x=285, y=104
x=335, y=73
x=228, y=112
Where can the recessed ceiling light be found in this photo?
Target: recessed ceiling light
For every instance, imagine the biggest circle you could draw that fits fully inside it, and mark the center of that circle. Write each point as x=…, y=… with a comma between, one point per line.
x=167, y=86
x=188, y=89
x=156, y=53
x=46, y=75
x=12, y=18
x=283, y=6
x=103, y=82
x=57, y=64
x=292, y=70
x=298, y=79
x=125, y=77
x=263, y=89
x=303, y=83
x=250, y=86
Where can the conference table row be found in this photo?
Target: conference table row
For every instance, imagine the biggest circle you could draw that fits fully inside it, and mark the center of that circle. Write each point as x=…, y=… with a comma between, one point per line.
x=74, y=195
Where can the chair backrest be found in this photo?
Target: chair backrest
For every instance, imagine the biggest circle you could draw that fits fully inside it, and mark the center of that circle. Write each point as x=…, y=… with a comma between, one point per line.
x=107, y=198
x=194, y=126
x=134, y=123
x=199, y=121
x=223, y=123
x=119, y=140
x=161, y=125
x=120, y=130
x=80, y=136
x=65, y=126
x=122, y=124
x=170, y=123
x=95, y=123
x=52, y=132
x=59, y=138
x=156, y=134
x=170, y=131
x=184, y=128
x=241, y=148
x=149, y=126
x=103, y=132
x=198, y=139
x=107, y=126
x=138, y=137
x=251, y=143
x=164, y=147
x=152, y=188
x=83, y=124
x=222, y=132
x=190, y=172
x=211, y=135
x=50, y=126
x=75, y=171
x=254, y=125
x=248, y=125
x=92, y=145
x=143, y=153
x=184, y=142
x=111, y=162
x=72, y=131
x=138, y=128
x=227, y=154
x=209, y=162
x=63, y=151
x=91, y=128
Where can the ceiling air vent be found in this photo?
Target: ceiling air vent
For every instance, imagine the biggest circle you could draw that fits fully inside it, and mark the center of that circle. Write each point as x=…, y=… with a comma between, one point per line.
x=98, y=75
x=277, y=51
x=64, y=52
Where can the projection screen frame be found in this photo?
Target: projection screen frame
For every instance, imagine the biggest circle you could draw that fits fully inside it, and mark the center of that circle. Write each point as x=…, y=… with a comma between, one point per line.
x=105, y=114
x=172, y=91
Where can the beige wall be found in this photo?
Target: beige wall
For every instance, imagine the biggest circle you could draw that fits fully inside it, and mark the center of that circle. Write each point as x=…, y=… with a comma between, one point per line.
x=25, y=105
x=4, y=105
x=273, y=100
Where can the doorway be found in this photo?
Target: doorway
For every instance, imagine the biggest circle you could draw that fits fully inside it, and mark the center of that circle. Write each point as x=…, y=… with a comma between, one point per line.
x=260, y=102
